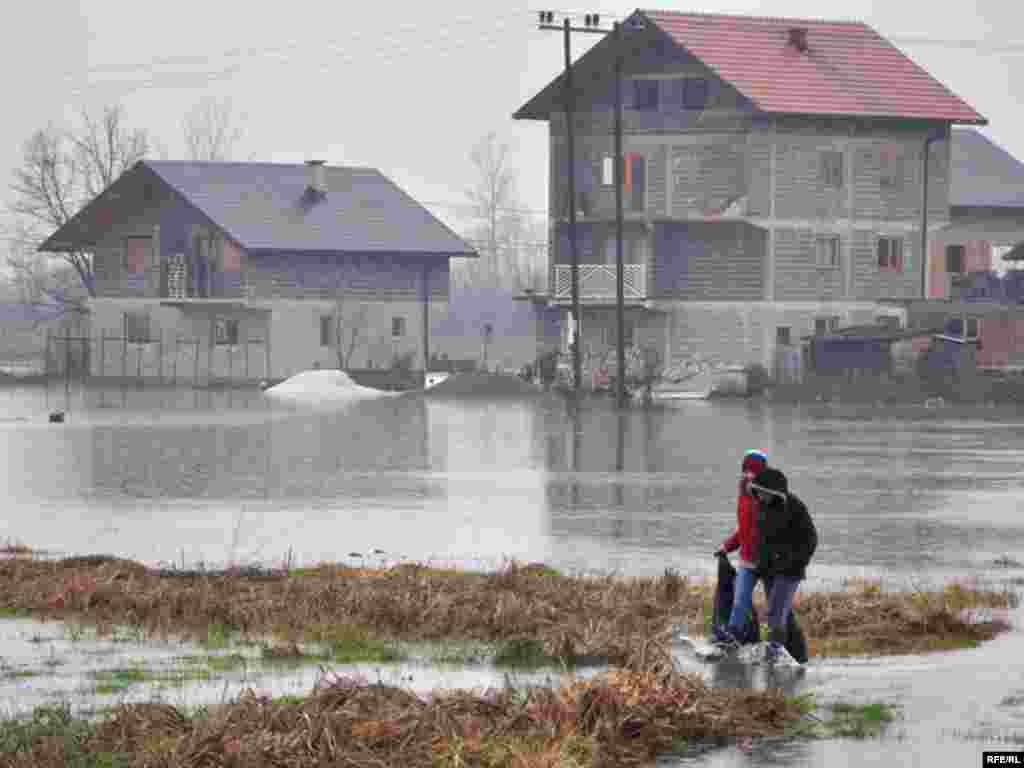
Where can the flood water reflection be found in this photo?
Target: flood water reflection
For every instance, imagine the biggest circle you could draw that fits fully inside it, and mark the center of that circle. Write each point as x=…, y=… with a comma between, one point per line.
x=215, y=475
x=908, y=494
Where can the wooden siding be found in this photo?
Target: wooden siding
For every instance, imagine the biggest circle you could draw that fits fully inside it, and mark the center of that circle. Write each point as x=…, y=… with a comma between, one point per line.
x=870, y=282
x=707, y=262
x=707, y=176
x=797, y=277
x=324, y=277
x=759, y=170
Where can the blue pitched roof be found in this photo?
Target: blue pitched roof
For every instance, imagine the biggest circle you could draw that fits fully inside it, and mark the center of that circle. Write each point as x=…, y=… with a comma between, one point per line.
x=264, y=206
x=983, y=173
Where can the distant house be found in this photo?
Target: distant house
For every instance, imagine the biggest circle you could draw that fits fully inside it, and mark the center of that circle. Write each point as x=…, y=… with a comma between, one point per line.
x=772, y=182
x=986, y=218
x=244, y=270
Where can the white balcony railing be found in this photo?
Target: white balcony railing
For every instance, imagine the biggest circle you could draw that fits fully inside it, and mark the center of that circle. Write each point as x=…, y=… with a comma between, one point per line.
x=597, y=281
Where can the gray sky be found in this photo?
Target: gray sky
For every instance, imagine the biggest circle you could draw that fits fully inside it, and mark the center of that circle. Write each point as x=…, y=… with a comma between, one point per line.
x=407, y=88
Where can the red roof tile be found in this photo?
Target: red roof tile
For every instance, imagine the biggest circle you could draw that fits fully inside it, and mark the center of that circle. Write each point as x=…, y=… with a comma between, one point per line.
x=847, y=68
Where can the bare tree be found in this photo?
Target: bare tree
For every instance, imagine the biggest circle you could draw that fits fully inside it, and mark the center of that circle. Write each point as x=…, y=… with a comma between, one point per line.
x=211, y=130
x=350, y=331
x=60, y=172
x=500, y=228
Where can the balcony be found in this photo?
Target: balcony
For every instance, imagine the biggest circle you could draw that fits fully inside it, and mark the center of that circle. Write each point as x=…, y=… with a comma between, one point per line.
x=597, y=282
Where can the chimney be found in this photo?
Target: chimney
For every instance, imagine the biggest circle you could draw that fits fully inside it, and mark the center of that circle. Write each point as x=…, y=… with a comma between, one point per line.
x=316, y=181
x=798, y=38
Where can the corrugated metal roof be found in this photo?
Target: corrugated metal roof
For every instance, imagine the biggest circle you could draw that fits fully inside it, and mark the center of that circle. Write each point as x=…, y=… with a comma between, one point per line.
x=983, y=173
x=847, y=69
x=263, y=206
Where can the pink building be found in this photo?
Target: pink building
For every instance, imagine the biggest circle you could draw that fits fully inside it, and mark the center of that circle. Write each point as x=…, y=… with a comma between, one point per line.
x=986, y=198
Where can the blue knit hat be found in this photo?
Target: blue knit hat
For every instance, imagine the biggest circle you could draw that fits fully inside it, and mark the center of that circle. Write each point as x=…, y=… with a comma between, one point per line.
x=754, y=461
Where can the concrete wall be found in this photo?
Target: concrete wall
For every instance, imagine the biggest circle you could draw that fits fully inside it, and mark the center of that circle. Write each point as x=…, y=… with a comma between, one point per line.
x=276, y=338
x=742, y=333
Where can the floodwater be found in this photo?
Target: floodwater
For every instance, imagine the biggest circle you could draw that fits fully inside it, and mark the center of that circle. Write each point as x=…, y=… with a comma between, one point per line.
x=909, y=494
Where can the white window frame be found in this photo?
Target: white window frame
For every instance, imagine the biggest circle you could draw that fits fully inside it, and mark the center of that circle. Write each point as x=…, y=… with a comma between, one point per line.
x=222, y=331
x=828, y=251
x=889, y=266
x=828, y=171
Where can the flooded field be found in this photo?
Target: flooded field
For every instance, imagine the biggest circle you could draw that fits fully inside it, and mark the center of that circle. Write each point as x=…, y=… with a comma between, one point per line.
x=912, y=496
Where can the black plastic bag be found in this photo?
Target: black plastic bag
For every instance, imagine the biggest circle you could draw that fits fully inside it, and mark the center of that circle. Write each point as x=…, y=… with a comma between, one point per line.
x=725, y=589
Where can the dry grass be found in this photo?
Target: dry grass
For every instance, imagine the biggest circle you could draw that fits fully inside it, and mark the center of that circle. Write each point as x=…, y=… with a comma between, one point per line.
x=624, y=717
x=567, y=617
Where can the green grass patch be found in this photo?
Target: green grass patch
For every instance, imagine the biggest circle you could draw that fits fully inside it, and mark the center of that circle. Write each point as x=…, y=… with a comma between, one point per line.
x=522, y=652
x=462, y=652
x=15, y=613
x=110, y=681
x=18, y=674
x=859, y=721
x=218, y=636
x=361, y=649
x=65, y=735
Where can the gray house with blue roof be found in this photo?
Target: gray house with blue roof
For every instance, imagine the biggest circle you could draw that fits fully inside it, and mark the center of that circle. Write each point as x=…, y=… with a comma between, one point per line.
x=300, y=260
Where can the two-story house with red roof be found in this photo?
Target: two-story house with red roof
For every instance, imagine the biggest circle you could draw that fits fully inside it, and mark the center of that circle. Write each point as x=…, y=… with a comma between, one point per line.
x=773, y=181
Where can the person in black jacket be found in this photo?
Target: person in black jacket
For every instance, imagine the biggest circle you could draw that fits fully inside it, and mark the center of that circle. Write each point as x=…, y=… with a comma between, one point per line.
x=786, y=543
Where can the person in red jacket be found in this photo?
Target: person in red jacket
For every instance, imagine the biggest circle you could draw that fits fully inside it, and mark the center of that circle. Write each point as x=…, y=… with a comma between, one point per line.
x=743, y=538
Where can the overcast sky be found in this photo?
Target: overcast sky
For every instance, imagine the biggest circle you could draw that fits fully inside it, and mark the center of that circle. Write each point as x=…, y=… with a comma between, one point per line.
x=404, y=87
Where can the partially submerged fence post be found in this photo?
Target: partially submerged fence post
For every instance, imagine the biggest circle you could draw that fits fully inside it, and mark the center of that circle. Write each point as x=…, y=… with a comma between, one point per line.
x=46, y=362
x=103, y=358
x=195, y=374
x=160, y=357
x=174, y=367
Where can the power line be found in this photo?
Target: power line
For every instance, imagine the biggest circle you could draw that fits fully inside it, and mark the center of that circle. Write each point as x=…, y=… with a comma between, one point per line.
x=335, y=44
x=195, y=79
x=388, y=53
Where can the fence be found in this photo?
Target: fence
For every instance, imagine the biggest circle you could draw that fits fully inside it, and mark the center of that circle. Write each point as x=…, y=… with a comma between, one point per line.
x=167, y=359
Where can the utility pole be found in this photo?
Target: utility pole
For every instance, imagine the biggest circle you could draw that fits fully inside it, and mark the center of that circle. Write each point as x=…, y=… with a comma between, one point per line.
x=933, y=135
x=591, y=26
x=620, y=312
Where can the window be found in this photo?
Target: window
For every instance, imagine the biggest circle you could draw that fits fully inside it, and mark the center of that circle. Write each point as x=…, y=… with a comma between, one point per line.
x=832, y=169
x=645, y=94
x=695, y=93
x=782, y=335
x=611, y=334
x=955, y=259
x=892, y=166
x=955, y=327
x=397, y=326
x=136, y=327
x=225, y=331
x=135, y=250
x=634, y=179
x=826, y=325
x=826, y=252
x=326, y=330
x=890, y=253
